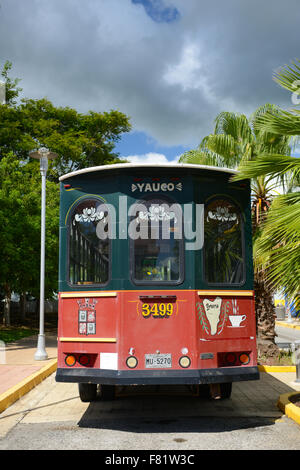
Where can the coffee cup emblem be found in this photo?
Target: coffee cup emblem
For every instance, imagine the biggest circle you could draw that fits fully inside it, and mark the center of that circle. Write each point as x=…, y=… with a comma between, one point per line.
x=236, y=320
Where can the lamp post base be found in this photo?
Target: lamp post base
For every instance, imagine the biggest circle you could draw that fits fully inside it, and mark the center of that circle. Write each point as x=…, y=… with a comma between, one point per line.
x=41, y=354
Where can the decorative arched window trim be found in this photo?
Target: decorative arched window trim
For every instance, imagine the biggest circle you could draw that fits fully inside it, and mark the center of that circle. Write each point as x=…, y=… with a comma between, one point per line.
x=88, y=215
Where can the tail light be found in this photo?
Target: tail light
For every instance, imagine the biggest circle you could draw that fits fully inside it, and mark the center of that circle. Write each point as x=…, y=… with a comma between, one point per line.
x=234, y=359
x=84, y=360
x=70, y=360
x=244, y=358
x=131, y=362
x=230, y=358
x=184, y=362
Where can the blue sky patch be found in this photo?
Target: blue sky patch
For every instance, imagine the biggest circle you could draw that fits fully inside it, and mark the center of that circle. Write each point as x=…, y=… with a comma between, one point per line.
x=158, y=11
x=139, y=143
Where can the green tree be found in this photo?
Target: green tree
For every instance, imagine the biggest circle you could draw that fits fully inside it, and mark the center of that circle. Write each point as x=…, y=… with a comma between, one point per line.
x=80, y=140
x=20, y=204
x=236, y=139
x=278, y=248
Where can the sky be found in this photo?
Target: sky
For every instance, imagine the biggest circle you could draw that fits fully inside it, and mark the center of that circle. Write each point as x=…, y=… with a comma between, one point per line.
x=171, y=65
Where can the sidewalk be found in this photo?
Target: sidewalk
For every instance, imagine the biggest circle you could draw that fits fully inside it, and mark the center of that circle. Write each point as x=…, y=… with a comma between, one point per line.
x=20, y=372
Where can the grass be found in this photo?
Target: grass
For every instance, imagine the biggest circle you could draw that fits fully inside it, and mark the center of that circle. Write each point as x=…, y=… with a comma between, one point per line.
x=284, y=358
x=9, y=334
x=30, y=326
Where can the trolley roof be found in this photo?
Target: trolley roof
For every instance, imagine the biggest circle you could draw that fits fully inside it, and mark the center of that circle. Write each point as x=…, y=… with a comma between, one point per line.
x=118, y=166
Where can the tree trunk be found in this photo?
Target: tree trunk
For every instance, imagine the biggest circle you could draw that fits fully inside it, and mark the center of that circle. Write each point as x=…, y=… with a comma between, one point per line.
x=265, y=319
x=7, y=300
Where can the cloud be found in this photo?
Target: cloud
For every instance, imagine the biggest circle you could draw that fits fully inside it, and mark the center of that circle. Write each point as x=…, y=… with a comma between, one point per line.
x=187, y=72
x=151, y=158
x=172, y=66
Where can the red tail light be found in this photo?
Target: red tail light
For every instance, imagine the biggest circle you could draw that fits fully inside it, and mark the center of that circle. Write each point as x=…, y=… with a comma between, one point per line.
x=84, y=360
x=234, y=359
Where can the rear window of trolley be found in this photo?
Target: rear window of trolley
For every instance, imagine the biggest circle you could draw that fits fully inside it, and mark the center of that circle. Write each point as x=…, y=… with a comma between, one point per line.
x=89, y=255
x=157, y=253
x=224, y=260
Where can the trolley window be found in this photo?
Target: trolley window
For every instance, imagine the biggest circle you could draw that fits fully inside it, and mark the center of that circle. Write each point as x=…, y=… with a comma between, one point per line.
x=88, y=254
x=158, y=248
x=223, y=243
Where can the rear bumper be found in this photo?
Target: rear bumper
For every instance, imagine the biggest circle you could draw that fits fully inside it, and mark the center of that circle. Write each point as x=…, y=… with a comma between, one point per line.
x=164, y=377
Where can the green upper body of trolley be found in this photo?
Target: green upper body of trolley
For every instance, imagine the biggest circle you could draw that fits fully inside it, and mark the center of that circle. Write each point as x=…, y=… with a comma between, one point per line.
x=182, y=184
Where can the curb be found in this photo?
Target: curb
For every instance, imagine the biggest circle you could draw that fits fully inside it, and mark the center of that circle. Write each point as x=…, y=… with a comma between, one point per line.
x=288, y=408
x=23, y=387
x=277, y=368
x=287, y=325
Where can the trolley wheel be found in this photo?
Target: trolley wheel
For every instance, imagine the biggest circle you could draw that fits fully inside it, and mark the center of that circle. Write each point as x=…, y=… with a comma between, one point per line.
x=226, y=389
x=87, y=392
x=107, y=392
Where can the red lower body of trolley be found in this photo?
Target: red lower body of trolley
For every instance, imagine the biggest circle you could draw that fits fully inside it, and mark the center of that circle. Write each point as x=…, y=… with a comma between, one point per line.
x=156, y=337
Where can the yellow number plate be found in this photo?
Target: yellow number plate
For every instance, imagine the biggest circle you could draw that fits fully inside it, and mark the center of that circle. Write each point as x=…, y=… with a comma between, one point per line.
x=162, y=310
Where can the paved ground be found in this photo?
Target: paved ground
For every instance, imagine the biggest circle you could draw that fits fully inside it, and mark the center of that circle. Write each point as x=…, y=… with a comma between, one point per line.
x=287, y=335
x=52, y=416
x=17, y=359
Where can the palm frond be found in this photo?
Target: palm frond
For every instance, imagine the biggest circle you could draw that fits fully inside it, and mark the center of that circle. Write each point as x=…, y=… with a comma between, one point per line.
x=261, y=111
x=225, y=146
x=273, y=165
x=277, y=249
x=288, y=76
x=235, y=125
x=279, y=122
x=199, y=157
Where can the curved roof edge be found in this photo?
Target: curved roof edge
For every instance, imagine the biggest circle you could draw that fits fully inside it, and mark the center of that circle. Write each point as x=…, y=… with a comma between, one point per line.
x=145, y=165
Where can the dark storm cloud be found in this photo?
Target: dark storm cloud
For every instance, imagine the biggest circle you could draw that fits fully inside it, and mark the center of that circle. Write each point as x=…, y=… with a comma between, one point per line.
x=171, y=76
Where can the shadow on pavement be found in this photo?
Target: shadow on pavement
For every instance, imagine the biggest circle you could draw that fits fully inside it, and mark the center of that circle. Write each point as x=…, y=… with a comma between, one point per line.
x=168, y=409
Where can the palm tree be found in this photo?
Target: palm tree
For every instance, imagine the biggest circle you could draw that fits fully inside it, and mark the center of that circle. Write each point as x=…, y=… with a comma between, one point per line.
x=237, y=140
x=278, y=249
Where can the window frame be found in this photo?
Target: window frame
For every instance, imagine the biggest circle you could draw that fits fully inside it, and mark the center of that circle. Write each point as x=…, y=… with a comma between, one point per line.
x=167, y=200
x=232, y=201
x=68, y=223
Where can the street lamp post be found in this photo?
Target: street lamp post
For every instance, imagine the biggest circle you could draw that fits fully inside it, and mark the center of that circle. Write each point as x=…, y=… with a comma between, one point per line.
x=43, y=154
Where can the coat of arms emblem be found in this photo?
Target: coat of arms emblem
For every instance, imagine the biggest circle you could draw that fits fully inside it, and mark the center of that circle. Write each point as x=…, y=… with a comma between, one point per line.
x=86, y=316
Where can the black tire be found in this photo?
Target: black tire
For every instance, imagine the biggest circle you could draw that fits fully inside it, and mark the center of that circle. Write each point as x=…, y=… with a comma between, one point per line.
x=107, y=392
x=226, y=389
x=87, y=392
x=204, y=391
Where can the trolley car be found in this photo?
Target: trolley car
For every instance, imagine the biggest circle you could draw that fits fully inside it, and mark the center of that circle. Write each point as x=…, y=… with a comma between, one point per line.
x=155, y=278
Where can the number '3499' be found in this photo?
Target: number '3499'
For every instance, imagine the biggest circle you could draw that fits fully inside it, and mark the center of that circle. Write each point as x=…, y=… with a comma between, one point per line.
x=157, y=310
